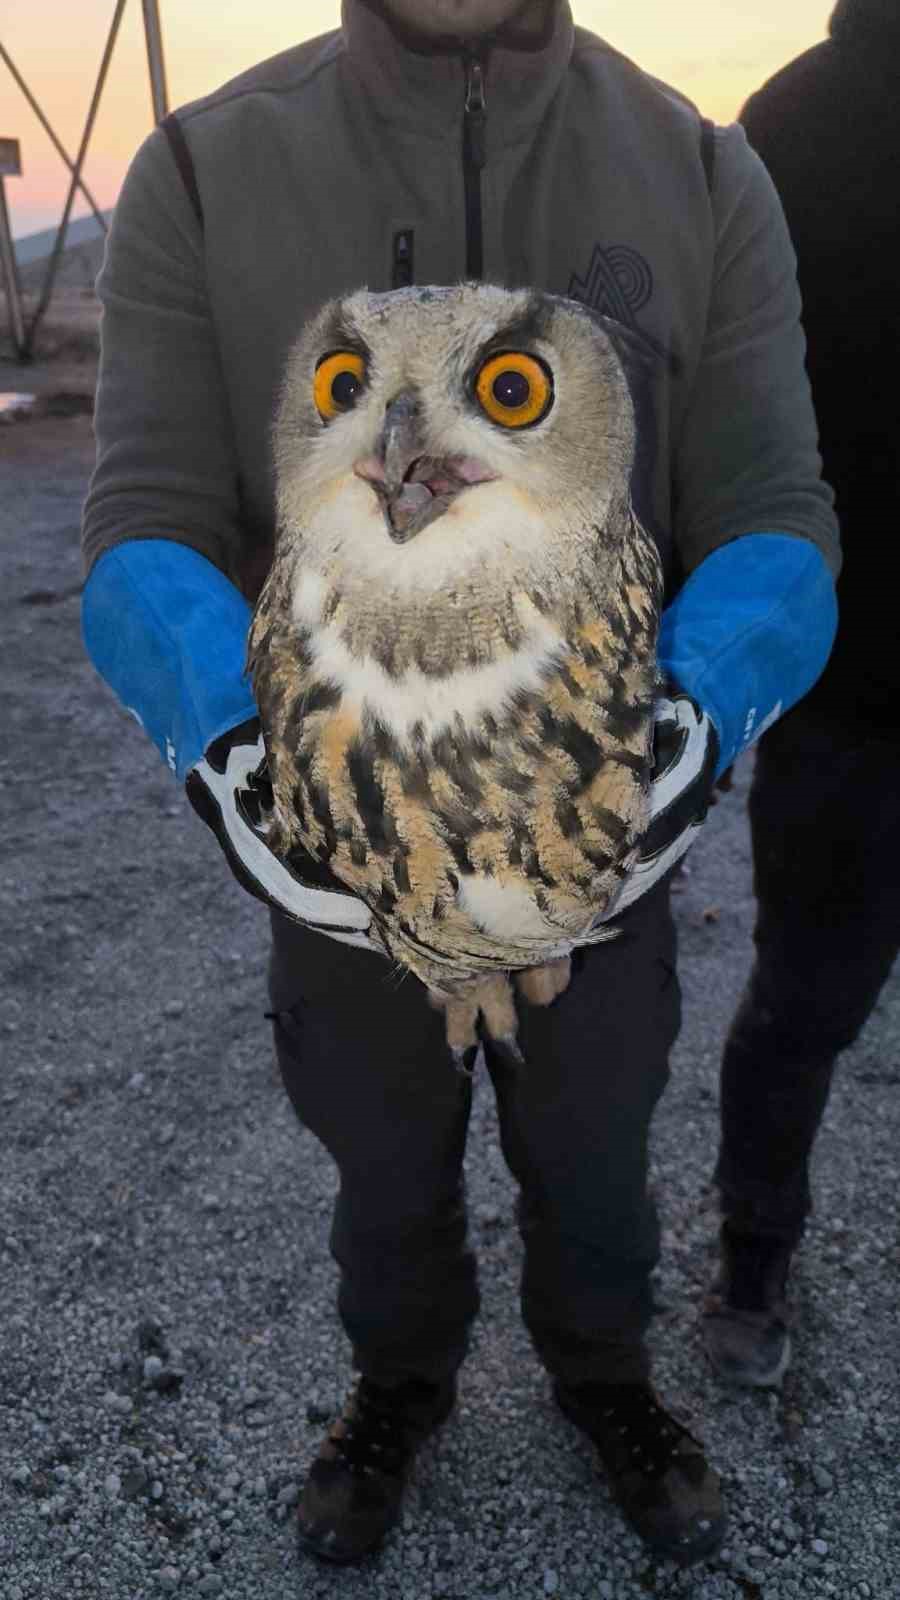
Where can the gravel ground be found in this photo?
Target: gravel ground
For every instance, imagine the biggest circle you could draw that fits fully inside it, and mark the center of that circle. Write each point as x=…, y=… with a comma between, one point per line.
x=169, y=1347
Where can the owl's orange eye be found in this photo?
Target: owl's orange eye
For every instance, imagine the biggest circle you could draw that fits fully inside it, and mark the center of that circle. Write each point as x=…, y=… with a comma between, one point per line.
x=338, y=382
x=514, y=389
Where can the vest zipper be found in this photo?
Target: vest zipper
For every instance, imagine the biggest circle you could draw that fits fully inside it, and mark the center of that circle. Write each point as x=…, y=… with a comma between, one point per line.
x=474, y=121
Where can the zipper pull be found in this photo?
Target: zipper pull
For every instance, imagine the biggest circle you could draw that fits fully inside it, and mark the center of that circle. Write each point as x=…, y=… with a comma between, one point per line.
x=476, y=112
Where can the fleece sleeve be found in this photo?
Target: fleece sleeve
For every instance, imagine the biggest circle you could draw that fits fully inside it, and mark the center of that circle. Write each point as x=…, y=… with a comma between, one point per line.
x=745, y=457
x=751, y=628
x=161, y=533
x=166, y=461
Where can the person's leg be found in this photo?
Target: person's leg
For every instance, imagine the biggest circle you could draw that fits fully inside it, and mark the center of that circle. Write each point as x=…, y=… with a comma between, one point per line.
x=574, y=1122
x=365, y=1065
x=574, y=1119
x=824, y=813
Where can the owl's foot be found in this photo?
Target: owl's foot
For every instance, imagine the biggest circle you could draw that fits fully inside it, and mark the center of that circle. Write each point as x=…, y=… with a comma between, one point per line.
x=490, y=998
x=464, y=1060
x=540, y=986
x=498, y=1007
x=490, y=1002
x=460, y=1019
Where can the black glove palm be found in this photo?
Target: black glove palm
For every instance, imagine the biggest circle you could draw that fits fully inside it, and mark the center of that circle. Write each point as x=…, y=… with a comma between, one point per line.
x=230, y=790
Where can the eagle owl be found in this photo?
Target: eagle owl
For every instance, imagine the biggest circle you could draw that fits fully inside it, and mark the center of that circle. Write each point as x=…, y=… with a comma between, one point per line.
x=454, y=652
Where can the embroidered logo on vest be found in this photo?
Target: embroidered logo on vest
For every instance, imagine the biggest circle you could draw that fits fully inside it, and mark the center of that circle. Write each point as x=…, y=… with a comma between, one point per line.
x=618, y=283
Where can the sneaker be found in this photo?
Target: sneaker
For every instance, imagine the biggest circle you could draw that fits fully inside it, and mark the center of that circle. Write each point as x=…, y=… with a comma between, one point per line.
x=657, y=1470
x=745, y=1318
x=354, y=1488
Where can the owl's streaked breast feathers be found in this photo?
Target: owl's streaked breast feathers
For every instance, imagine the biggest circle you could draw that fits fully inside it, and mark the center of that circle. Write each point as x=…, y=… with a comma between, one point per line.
x=454, y=653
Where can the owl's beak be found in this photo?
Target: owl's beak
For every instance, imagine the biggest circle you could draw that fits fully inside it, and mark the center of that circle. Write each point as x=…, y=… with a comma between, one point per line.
x=414, y=488
x=401, y=440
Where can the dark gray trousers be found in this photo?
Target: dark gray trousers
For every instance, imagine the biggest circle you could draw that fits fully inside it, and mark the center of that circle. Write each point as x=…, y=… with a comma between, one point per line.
x=365, y=1065
x=825, y=821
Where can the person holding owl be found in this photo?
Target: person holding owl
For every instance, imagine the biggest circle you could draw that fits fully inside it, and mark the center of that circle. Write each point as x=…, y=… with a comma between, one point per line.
x=434, y=142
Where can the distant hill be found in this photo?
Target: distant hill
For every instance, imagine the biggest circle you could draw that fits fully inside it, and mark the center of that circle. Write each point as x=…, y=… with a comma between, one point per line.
x=77, y=271
x=35, y=246
x=68, y=334
x=81, y=260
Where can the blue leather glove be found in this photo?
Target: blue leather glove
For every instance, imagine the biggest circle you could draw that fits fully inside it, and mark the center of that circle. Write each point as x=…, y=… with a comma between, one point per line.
x=168, y=632
x=744, y=639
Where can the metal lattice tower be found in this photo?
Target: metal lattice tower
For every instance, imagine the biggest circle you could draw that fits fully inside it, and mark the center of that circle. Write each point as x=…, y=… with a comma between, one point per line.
x=10, y=165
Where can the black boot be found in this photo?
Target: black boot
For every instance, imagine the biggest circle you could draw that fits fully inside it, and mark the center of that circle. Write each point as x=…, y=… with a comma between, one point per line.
x=354, y=1488
x=745, y=1319
x=657, y=1470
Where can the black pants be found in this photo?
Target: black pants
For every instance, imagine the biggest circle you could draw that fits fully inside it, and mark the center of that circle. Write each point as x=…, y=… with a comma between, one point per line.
x=365, y=1065
x=825, y=820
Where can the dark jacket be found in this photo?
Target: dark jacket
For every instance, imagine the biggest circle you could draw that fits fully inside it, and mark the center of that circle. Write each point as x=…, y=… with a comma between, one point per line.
x=828, y=128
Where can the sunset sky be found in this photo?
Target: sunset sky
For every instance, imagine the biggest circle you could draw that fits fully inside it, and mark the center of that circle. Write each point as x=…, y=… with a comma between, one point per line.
x=716, y=51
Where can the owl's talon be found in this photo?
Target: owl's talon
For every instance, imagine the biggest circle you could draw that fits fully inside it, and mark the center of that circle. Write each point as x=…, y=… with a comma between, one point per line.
x=540, y=986
x=507, y=1045
x=464, y=1059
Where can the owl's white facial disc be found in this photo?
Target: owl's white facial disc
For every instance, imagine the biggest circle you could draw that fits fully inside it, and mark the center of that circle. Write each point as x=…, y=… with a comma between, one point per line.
x=423, y=347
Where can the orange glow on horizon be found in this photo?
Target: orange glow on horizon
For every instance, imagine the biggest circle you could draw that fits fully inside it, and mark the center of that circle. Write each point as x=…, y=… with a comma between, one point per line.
x=715, y=51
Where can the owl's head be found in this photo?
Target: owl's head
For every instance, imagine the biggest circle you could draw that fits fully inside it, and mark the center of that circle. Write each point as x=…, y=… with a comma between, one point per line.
x=437, y=431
